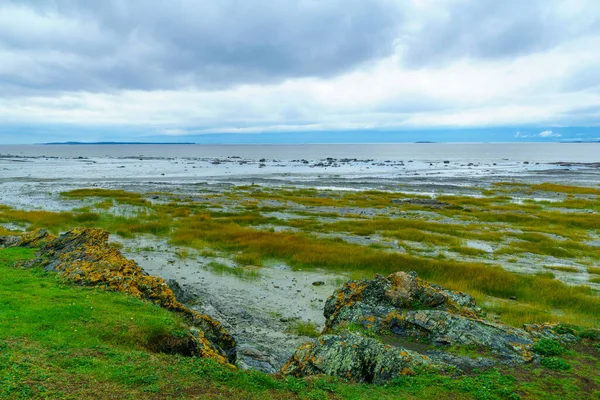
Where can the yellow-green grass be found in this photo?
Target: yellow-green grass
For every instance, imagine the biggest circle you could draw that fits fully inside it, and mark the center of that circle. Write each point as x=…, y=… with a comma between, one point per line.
x=301, y=251
x=593, y=270
x=240, y=272
x=190, y=225
x=118, y=195
x=553, y=187
x=403, y=228
x=248, y=259
x=561, y=268
x=595, y=280
x=305, y=328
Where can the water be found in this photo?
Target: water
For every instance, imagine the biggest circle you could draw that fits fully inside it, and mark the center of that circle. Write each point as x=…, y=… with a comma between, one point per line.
x=463, y=152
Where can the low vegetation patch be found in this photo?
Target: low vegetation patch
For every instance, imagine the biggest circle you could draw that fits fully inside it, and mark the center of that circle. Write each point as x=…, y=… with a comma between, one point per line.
x=304, y=328
x=561, y=268
x=549, y=347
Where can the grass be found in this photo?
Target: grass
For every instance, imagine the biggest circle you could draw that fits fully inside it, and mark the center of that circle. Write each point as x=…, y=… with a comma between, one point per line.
x=593, y=270
x=561, y=268
x=110, y=194
x=62, y=341
x=240, y=272
x=519, y=229
x=304, y=328
x=302, y=251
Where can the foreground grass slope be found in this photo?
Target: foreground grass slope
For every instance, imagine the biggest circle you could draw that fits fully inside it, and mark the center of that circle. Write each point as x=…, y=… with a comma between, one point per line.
x=62, y=341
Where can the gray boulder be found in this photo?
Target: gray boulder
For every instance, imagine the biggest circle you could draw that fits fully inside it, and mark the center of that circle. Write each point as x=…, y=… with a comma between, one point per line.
x=355, y=357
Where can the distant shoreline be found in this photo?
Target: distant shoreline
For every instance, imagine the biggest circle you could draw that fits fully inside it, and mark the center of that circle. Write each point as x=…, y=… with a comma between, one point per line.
x=110, y=143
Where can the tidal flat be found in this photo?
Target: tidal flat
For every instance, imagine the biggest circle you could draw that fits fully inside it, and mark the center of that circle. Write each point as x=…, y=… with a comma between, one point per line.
x=262, y=250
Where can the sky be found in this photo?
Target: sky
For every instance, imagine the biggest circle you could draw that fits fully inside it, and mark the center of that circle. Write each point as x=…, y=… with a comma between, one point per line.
x=294, y=71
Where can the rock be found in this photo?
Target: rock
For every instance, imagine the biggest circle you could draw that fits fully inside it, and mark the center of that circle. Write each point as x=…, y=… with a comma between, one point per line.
x=181, y=294
x=9, y=241
x=405, y=311
x=354, y=357
x=318, y=283
x=33, y=239
x=84, y=256
x=553, y=331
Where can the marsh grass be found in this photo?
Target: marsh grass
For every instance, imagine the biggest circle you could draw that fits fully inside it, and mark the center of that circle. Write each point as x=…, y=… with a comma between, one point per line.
x=111, y=194
x=593, y=270
x=191, y=225
x=239, y=272
x=595, y=280
x=304, y=328
x=552, y=187
x=249, y=259
x=468, y=251
x=561, y=268
x=302, y=251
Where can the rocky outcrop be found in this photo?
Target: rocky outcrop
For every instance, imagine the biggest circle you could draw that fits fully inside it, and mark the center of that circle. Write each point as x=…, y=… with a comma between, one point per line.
x=406, y=306
x=355, y=357
x=32, y=239
x=84, y=256
x=406, y=311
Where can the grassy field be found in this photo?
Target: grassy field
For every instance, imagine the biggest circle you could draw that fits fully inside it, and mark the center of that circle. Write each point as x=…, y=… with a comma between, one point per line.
x=63, y=341
x=253, y=226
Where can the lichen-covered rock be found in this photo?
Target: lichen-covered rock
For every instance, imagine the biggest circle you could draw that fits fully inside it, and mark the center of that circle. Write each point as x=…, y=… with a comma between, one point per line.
x=399, y=291
x=33, y=239
x=354, y=357
x=409, y=311
x=553, y=331
x=9, y=241
x=84, y=256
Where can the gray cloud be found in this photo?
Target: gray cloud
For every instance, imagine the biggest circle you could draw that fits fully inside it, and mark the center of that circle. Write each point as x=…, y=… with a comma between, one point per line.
x=86, y=45
x=491, y=29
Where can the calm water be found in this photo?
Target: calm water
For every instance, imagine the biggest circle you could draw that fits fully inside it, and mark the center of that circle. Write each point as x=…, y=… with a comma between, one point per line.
x=533, y=152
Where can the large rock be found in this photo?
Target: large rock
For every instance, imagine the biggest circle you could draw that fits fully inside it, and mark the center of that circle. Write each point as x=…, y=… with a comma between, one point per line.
x=406, y=306
x=405, y=311
x=354, y=357
x=32, y=239
x=84, y=256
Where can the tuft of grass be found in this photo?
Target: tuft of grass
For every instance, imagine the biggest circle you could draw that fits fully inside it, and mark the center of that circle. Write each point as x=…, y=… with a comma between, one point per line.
x=549, y=347
x=555, y=363
x=249, y=259
x=593, y=270
x=561, y=268
x=594, y=280
x=118, y=195
x=240, y=272
x=304, y=328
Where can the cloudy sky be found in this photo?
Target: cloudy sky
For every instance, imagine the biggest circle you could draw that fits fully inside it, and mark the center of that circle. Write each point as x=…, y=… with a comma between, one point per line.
x=181, y=70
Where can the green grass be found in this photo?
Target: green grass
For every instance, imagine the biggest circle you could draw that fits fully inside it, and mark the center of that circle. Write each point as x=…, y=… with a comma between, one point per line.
x=549, y=347
x=240, y=271
x=110, y=194
x=561, y=268
x=304, y=328
x=593, y=270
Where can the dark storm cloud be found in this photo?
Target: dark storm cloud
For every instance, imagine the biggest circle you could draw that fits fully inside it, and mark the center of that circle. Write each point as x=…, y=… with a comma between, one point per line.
x=153, y=44
x=495, y=29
